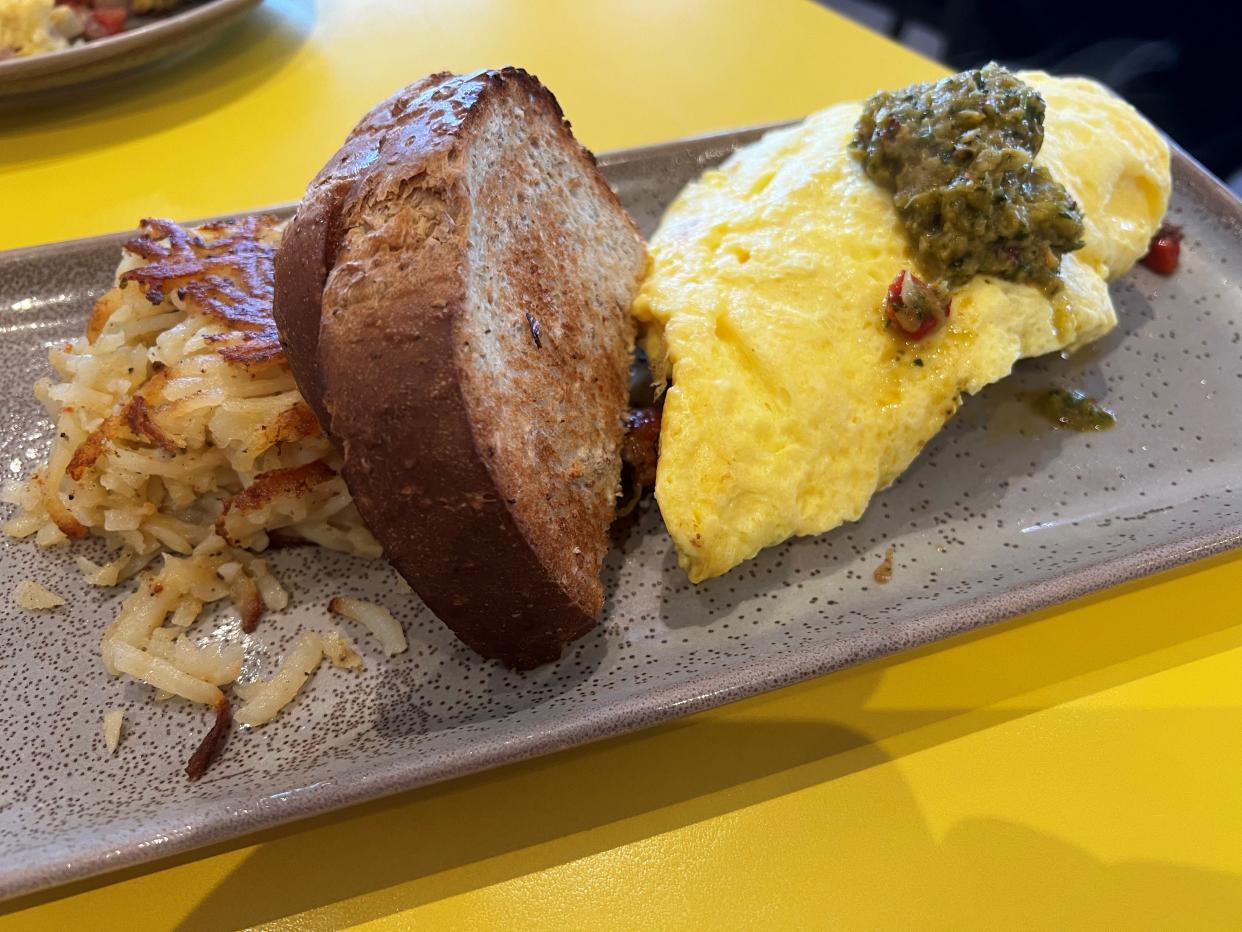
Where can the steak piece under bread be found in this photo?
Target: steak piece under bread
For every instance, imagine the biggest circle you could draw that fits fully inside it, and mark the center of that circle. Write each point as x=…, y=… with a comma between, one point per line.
x=454, y=296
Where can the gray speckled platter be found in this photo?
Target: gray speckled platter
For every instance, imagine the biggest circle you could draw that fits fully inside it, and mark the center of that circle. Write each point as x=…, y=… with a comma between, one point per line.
x=1000, y=515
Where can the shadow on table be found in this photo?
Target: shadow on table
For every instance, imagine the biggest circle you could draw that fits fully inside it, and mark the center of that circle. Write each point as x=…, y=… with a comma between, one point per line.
x=469, y=837
x=459, y=836
x=410, y=855
x=154, y=98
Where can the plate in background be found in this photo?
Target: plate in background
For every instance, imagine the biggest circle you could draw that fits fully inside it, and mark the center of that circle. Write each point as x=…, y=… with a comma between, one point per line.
x=156, y=40
x=999, y=515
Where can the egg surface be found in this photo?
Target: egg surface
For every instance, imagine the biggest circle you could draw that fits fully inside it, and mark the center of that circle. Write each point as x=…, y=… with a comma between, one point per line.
x=791, y=403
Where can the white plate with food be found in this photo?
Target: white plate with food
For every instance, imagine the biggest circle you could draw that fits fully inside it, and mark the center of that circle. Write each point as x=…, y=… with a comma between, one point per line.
x=46, y=44
x=257, y=435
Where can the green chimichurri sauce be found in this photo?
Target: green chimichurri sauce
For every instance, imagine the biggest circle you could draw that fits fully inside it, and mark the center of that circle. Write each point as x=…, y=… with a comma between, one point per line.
x=959, y=156
x=1069, y=407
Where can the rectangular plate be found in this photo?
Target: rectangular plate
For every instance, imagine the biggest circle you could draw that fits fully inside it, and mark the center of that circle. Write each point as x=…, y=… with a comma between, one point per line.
x=998, y=516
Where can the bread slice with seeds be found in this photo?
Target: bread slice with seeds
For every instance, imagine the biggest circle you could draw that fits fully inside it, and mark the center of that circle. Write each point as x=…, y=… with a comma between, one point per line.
x=454, y=297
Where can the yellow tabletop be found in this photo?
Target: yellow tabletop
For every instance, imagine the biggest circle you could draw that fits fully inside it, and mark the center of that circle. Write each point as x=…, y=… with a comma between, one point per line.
x=1077, y=768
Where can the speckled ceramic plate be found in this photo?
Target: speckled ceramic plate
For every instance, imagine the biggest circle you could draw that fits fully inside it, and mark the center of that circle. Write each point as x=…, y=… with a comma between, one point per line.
x=154, y=39
x=1000, y=515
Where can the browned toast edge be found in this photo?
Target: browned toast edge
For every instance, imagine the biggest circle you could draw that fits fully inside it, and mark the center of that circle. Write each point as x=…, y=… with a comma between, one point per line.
x=411, y=462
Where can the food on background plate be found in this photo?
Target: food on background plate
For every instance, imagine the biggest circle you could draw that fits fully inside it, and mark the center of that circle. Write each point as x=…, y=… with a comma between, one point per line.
x=454, y=293
x=28, y=27
x=822, y=300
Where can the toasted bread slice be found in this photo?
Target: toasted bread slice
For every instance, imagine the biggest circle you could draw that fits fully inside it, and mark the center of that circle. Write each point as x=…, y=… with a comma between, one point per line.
x=454, y=297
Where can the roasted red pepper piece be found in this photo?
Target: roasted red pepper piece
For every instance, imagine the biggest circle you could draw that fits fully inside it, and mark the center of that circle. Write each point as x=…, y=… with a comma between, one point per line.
x=915, y=307
x=1165, y=250
x=640, y=446
x=102, y=23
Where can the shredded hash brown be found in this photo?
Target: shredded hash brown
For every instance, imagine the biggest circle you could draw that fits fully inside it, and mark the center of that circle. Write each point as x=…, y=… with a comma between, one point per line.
x=181, y=440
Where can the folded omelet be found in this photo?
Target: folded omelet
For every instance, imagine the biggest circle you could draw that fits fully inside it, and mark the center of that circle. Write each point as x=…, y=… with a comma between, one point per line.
x=791, y=403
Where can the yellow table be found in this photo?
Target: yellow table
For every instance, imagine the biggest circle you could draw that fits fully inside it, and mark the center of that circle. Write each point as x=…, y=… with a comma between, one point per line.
x=1081, y=767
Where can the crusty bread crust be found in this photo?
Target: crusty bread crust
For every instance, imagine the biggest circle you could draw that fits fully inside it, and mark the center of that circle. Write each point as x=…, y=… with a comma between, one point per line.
x=308, y=250
x=372, y=293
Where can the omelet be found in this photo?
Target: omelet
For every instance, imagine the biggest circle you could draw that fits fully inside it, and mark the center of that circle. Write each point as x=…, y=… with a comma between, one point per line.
x=791, y=403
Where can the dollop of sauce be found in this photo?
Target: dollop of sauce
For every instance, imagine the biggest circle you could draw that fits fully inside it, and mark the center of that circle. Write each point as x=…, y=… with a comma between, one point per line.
x=1072, y=408
x=959, y=156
